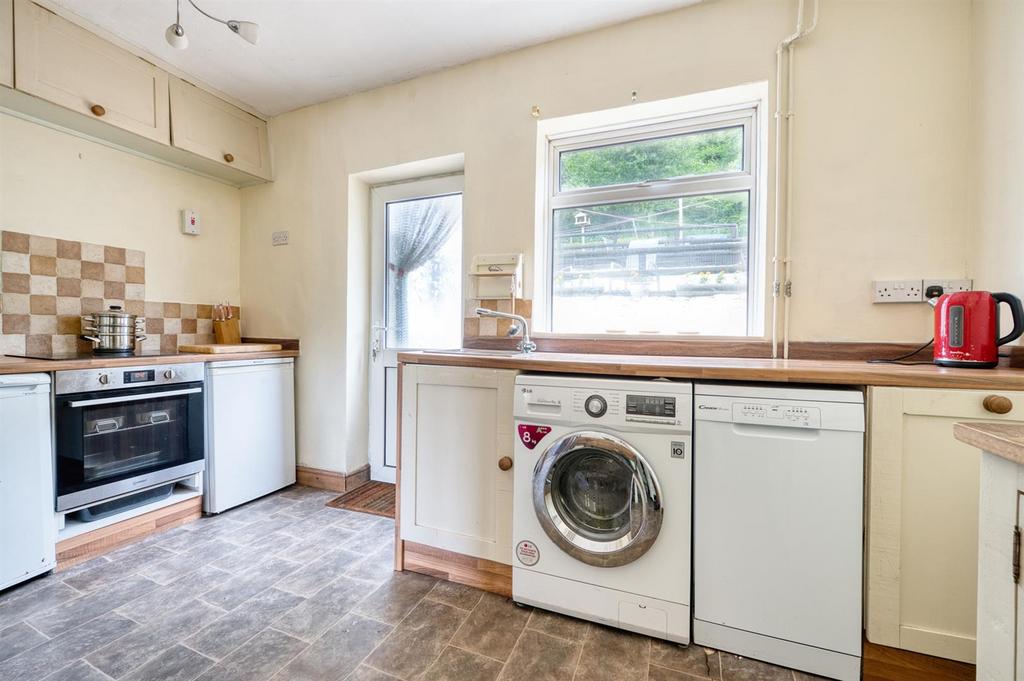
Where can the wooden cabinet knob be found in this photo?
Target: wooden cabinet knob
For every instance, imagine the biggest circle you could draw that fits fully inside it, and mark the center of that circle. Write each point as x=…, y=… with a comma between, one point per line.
x=505, y=463
x=229, y=158
x=97, y=110
x=997, y=404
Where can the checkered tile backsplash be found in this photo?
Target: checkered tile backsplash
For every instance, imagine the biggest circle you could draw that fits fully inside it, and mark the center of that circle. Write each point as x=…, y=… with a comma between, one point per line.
x=47, y=284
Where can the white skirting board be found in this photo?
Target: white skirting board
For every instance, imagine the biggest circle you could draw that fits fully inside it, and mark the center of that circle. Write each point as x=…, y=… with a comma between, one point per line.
x=818, y=661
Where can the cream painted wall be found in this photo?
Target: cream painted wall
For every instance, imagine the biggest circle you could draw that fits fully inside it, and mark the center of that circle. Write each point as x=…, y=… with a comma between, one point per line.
x=55, y=184
x=880, y=168
x=997, y=171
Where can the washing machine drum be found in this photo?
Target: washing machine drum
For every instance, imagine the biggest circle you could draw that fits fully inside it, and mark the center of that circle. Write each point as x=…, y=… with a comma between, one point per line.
x=597, y=499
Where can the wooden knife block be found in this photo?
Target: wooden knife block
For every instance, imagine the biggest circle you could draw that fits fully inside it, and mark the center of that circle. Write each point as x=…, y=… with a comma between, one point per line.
x=227, y=331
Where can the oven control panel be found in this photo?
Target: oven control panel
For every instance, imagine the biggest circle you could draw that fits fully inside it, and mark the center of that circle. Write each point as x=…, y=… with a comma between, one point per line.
x=120, y=378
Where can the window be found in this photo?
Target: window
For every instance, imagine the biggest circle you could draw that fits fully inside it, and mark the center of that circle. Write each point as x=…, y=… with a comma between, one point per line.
x=653, y=228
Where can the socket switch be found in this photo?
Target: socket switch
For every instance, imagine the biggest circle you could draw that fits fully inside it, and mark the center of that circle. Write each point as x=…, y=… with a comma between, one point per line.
x=898, y=291
x=948, y=285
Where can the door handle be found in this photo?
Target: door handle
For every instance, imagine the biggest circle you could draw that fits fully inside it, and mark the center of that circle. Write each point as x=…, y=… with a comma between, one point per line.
x=376, y=340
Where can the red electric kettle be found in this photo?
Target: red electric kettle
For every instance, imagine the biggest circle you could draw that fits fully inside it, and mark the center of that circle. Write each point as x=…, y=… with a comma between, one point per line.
x=967, y=328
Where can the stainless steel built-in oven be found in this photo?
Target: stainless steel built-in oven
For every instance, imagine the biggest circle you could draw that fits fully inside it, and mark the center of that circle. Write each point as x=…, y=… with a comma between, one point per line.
x=120, y=431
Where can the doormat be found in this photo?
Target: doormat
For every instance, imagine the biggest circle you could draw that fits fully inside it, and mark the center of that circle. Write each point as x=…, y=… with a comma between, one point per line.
x=377, y=498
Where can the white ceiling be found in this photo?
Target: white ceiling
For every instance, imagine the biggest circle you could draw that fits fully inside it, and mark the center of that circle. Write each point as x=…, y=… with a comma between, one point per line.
x=315, y=50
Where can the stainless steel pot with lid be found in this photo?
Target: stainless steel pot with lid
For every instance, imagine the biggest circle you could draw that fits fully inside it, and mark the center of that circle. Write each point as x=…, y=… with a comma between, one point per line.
x=113, y=330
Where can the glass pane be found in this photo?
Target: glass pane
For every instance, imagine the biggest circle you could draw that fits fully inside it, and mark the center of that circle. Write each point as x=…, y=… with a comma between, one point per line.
x=592, y=491
x=696, y=153
x=133, y=437
x=672, y=266
x=424, y=288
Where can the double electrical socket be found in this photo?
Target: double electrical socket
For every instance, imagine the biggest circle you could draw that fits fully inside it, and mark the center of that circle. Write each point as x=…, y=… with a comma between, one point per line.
x=912, y=290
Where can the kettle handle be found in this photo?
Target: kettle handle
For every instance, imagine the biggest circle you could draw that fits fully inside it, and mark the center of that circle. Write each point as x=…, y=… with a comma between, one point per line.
x=1017, y=310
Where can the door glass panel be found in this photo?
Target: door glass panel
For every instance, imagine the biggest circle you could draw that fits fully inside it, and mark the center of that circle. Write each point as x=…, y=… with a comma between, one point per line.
x=593, y=493
x=134, y=437
x=424, y=277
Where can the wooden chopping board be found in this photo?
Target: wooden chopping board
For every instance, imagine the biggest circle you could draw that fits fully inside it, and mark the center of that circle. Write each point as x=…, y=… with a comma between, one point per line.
x=221, y=348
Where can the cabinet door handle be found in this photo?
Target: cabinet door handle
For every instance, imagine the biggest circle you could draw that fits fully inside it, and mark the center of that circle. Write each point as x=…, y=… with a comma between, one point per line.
x=229, y=158
x=997, y=404
x=97, y=110
x=505, y=463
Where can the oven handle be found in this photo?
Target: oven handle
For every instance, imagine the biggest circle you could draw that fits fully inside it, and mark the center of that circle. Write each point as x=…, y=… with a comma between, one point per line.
x=133, y=398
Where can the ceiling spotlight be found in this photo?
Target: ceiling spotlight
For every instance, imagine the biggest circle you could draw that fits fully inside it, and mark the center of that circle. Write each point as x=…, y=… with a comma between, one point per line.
x=247, y=30
x=175, y=34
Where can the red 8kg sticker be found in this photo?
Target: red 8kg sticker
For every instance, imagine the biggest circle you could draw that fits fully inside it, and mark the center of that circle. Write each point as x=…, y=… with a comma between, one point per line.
x=532, y=435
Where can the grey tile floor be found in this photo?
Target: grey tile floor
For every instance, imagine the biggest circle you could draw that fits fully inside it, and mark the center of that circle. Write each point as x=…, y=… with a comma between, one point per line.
x=286, y=589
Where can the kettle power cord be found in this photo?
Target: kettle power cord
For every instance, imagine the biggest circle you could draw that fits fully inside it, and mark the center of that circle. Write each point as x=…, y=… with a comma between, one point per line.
x=901, y=359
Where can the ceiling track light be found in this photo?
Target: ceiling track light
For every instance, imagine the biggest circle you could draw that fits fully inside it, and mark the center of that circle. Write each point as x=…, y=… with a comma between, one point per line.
x=175, y=33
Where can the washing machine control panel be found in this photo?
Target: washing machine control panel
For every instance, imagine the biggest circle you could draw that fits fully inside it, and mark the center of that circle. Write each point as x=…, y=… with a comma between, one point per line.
x=769, y=414
x=651, y=411
x=658, y=406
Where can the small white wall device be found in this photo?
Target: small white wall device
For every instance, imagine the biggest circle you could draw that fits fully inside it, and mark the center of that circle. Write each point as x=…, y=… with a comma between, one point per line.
x=190, y=222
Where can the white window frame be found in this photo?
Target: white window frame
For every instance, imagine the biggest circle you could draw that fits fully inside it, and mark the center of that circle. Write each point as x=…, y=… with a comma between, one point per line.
x=744, y=106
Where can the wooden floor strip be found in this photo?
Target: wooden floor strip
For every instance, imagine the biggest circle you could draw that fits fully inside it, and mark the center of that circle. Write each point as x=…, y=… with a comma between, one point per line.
x=377, y=498
x=882, y=663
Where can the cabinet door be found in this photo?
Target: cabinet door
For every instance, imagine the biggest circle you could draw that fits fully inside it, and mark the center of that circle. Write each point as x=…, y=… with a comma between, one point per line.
x=209, y=126
x=7, y=43
x=456, y=424
x=923, y=519
x=69, y=66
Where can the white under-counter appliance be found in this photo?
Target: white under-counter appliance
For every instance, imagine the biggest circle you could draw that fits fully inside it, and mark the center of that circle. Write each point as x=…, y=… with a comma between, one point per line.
x=250, y=430
x=601, y=509
x=778, y=524
x=28, y=534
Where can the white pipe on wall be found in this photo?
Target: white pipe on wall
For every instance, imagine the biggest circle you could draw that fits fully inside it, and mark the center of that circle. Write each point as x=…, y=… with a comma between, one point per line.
x=783, y=130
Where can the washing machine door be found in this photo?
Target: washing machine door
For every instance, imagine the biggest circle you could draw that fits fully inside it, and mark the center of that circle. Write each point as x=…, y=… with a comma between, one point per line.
x=597, y=498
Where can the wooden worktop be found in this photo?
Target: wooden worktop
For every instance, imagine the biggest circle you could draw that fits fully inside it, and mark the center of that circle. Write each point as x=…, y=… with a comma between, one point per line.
x=843, y=372
x=1002, y=439
x=21, y=365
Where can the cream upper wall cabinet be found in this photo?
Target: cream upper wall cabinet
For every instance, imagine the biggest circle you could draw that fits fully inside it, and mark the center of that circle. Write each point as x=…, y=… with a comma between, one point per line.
x=7, y=43
x=456, y=425
x=923, y=518
x=209, y=126
x=65, y=64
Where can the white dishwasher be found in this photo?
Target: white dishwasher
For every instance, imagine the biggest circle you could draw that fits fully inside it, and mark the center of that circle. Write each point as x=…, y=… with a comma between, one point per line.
x=28, y=531
x=250, y=430
x=778, y=490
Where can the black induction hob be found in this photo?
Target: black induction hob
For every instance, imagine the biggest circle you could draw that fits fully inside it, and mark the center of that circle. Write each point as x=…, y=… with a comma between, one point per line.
x=70, y=356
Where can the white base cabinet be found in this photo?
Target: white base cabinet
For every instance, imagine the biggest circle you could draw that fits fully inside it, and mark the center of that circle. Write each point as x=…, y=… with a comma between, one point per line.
x=456, y=425
x=28, y=533
x=922, y=542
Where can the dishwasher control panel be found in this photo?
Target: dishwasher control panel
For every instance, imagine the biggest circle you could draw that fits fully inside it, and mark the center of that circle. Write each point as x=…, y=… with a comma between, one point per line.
x=774, y=414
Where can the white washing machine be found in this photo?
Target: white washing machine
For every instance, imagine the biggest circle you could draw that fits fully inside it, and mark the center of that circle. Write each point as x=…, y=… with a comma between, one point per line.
x=601, y=520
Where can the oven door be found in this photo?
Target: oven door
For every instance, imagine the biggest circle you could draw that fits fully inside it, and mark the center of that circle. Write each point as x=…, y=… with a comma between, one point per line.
x=115, y=442
x=597, y=499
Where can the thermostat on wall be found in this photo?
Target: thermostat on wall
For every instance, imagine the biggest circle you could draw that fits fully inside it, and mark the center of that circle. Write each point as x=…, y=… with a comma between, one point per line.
x=190, y=222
